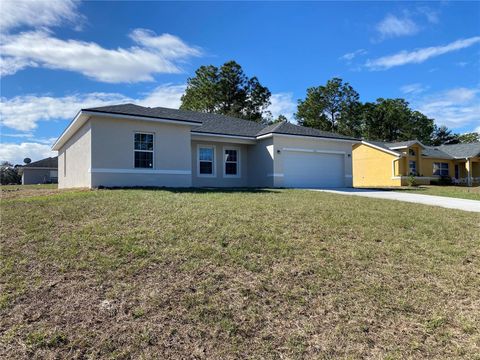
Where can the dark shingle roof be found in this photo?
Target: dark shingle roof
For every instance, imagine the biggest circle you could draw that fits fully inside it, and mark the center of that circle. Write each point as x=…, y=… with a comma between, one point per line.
x=382, y=145
x=158, y=112
x=435, y=152
x=401, y=144
x=462, y=150
x=225, y=125
x=215, y=123
x=51, y=162
x=440, y=152
x=287, y=128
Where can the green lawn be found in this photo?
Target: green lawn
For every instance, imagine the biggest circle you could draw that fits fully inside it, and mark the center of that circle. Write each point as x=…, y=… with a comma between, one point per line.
x=462, y=192
x=235, y=274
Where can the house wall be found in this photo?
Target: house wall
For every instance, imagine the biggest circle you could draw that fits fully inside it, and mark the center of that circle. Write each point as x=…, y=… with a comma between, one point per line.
x=74, y=160
x=219, y=179
x=260, y=166
x=113, y=154
x=36, y=176
x=372, y=167
x=476, y=168
x=282, y=142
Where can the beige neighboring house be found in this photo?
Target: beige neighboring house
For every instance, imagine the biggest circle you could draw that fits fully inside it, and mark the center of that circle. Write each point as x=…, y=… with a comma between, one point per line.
x=43, y=171
x=129, y=145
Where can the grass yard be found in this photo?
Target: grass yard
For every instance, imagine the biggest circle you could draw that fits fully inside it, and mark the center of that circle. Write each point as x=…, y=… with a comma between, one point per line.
x=236, y=274
x=463, y=192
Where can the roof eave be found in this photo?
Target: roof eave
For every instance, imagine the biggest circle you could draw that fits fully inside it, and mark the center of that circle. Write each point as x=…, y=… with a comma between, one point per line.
x=381, y=149
x=266, y=136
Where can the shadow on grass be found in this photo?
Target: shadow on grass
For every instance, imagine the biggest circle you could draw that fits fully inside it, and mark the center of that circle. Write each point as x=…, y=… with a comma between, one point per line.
x=193, y=190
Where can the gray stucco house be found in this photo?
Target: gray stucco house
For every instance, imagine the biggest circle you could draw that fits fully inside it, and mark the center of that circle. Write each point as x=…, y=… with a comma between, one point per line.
x=130, y=145
x=43, y=171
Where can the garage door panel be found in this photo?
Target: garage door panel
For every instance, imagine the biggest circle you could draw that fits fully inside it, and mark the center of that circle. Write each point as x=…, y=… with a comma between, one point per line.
x=313, y=169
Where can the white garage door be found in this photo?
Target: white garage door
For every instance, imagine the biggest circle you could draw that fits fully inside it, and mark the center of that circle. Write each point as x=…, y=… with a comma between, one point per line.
x=313, y=170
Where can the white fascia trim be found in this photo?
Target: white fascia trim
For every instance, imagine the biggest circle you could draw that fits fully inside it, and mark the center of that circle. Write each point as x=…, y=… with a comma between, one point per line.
x=405, y=146
x=139, y=171
x=223, y=136
x=266, y=136
x=275, y=175
x=314, y=151
x=381, y=149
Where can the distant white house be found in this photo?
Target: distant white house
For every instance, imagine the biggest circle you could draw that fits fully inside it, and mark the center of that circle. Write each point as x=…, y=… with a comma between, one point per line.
x=129, y=145
x=43, y=171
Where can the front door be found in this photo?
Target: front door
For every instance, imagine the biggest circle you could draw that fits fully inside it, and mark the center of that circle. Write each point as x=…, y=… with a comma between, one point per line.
x=456, y=171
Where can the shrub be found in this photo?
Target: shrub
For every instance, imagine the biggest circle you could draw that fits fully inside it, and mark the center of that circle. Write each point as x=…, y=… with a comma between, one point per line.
x=411, y=180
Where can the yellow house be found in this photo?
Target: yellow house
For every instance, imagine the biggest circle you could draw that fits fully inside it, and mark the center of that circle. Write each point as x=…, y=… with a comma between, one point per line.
x=380, y=164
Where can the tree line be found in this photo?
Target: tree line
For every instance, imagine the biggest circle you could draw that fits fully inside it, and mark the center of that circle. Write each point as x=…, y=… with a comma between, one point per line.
x=334, y=107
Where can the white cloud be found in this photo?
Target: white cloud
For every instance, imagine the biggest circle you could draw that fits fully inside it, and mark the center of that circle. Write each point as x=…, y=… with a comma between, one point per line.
x=415, y=88
x=393, y=26
x=150, y=55
x=455, y=108
x=419, y=56
x=350, y=56
x=18, y=135
x=477, y=129
x=24, y=112
x=431, y=15
x=282, y=104
x=46, y=13
x=15, y=153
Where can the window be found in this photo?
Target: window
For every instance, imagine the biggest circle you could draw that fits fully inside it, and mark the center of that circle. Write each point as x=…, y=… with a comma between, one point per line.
x=231, y=162
x=412, y=167
x=143, y=149
x=440, y=169
x=206, y=161
x=411, y=152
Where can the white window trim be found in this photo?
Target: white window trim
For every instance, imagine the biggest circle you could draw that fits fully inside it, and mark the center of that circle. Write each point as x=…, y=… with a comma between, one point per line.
x=152, y=151
x=224, y=161
x=440, y=168
x=214, y=167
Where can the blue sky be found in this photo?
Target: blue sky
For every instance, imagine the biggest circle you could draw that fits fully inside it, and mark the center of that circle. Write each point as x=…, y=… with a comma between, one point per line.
x=59, y=56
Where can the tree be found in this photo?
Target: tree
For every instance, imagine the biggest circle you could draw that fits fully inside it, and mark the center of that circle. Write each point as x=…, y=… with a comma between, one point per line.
x=393, y=120
x=228, y=91
x=9, y=174
x=332, y=107
x=279, y=119
x=443, y=136
x=469, y=138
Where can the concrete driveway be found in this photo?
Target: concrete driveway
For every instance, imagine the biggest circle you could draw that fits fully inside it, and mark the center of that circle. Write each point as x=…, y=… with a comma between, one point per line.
x=447, y=202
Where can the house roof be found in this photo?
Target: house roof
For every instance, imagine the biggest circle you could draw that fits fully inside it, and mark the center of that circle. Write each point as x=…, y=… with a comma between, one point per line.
x=216, y=123
x=435, y=152
x=462, y=150
x=401, y=144
x=287, y=128
x=439, y=152
x=157, y=112
x=51, y=162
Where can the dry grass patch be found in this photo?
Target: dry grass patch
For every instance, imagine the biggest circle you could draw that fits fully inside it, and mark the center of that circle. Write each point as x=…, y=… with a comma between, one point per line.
x=236, y=274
